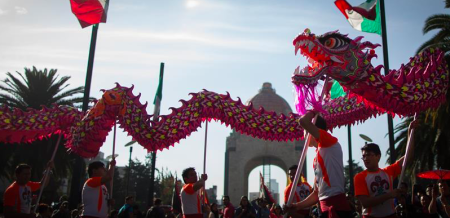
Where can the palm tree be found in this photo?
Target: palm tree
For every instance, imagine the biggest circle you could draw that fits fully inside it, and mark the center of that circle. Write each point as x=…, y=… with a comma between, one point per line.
x=356, y=169
x=33, y=89
x=38, y=88
x=432, y=140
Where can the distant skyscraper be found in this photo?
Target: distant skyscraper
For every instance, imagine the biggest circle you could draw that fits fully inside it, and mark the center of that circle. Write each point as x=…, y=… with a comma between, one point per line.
x=274, y=186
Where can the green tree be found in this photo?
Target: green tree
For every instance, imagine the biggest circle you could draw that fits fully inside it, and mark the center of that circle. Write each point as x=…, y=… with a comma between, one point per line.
x=431, y=139
x=33, y=89
x=356, y=169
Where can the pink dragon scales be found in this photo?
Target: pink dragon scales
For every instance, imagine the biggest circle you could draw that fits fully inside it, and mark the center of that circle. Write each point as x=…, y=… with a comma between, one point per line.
x=86, y=132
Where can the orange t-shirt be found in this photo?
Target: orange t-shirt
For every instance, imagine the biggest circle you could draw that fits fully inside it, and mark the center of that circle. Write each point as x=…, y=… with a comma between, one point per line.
x=190, y=201
x=95, y=198
x=303, y=190
x=301, y=193
x=19, y=197
x=377, y=183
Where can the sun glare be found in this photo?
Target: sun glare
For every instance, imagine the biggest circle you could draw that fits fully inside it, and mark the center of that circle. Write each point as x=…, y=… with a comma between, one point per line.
x=191, y=4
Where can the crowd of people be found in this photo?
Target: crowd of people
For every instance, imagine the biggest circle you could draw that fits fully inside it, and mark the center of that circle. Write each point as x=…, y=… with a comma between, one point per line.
x=374, y=191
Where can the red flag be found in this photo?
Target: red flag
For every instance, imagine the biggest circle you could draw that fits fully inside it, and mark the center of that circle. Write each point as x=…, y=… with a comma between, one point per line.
x=264, y=191
x=90, y=12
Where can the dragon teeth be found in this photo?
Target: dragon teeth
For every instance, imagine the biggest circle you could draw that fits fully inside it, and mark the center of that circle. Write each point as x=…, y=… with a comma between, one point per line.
x=297, y=70
x=335, y=59
x=310, y=46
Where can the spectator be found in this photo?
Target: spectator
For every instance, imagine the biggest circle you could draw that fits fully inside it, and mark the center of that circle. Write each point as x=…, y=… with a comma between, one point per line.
x=429, y=190
x=260, y=205
x=206, y=210
x=245, y=210
x=423, y=212
x=95, y=194
x=18, y=196
x=114, y=214
x=169, y=212
x=403, y=209
x=63, y=211
x=126, y=211
x=228, y=210
x=137, y=212
x=44, y=211
x=156, y=211
x=302, y=191
x=276, y=211
x=440, y=204
x=214, y=211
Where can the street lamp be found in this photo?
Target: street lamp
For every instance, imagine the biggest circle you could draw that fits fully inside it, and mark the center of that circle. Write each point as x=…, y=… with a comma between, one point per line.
x=129, y=163
x=365, y=138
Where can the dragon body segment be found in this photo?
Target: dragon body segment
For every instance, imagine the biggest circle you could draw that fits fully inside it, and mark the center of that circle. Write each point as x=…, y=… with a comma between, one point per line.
x=86, y=133
x=416, y=86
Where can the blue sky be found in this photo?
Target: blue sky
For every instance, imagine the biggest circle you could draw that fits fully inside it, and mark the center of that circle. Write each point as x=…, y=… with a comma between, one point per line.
x=218, y=45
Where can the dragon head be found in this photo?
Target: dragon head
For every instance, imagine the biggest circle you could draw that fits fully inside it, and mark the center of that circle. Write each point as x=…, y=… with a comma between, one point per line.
x=334, y=55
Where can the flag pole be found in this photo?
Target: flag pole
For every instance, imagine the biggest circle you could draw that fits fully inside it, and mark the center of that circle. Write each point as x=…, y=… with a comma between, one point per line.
x=157, y=103
x=79, y=171
x=305, y=150
x=393, y=153
x=47, y=172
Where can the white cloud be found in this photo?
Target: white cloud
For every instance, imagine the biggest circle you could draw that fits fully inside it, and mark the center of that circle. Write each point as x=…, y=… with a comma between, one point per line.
x=3, y=12
x=21, y=10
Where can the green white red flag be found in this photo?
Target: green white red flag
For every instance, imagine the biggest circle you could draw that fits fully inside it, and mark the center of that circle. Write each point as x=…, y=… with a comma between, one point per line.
x=264, y=192
x=364, y=17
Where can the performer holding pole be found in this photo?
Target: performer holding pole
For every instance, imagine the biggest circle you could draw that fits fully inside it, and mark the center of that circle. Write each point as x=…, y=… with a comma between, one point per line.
x=48, y=171
x=379, y=202
x=328, y=165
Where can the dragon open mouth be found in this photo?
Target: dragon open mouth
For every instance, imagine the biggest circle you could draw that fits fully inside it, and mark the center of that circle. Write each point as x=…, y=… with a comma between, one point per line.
x=318, y=52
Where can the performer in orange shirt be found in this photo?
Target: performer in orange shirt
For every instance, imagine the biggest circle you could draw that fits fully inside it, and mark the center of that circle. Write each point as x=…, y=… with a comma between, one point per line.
x=18, y=196
x=374, y=186
x=95, y=194
x=329, y=170
x=190, y=193
x=301, y=192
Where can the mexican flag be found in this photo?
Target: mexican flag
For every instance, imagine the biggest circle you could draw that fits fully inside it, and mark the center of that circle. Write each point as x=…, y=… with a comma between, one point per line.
x=365, y=17
x=264, y=192
x=158, y=95
x=89, y=12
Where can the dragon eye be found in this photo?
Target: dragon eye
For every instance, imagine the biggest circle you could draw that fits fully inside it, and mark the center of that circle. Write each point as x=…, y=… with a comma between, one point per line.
x=330, y=43
x=334, y=43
